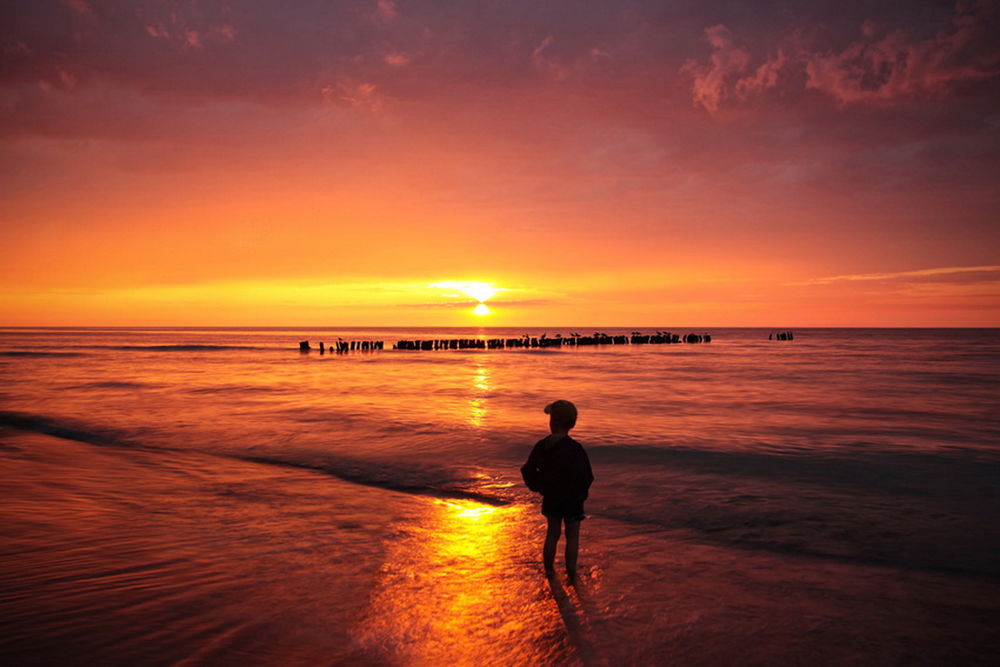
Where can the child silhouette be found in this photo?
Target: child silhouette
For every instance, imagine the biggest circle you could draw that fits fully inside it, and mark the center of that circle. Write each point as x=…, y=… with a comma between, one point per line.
x=559, y=469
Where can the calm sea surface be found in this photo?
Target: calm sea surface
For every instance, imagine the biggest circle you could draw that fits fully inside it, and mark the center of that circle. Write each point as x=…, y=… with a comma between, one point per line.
x=213, y=495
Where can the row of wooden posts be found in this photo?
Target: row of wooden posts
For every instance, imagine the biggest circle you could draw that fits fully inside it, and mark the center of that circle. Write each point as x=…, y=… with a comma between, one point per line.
x=781, y=335
x=342, y=346
x=524, y=341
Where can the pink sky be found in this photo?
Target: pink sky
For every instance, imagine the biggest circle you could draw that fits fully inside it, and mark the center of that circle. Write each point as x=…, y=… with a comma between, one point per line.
x=619, y=163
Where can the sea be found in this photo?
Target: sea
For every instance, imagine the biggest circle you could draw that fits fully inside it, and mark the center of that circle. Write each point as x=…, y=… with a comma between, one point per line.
x=216, y=496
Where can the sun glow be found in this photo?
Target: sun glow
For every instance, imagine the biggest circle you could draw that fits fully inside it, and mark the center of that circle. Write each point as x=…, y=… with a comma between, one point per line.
x=479, y=291
x=481, y=309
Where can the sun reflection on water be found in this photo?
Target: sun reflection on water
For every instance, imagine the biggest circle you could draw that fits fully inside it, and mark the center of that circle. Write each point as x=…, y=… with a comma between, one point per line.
x=482, y=385
x=461, y=587
x=473, y=513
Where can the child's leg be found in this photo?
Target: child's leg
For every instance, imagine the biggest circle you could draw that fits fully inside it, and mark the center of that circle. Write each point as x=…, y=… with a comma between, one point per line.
x=551, y=540
x=572, y=545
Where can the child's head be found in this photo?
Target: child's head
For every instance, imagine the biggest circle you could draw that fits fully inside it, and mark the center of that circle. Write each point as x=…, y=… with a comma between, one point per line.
x=562, y=415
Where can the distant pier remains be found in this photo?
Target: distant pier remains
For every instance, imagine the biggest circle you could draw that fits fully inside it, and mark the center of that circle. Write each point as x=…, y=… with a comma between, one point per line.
x=524, y=341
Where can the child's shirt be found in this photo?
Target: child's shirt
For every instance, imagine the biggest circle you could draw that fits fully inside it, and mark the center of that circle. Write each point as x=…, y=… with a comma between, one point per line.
x=559, y=469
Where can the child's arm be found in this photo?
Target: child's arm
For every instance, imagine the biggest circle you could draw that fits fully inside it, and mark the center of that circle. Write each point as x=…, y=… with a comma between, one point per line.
x=531, y=471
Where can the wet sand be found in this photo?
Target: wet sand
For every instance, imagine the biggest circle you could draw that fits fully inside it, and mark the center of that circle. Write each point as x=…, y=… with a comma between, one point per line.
x=128, y=556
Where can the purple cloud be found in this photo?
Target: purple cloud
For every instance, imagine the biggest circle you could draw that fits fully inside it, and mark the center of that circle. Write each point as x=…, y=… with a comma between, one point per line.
x=884, y=66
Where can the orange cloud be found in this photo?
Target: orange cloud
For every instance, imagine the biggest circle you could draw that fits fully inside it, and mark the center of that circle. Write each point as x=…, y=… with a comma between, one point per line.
x=951, y=272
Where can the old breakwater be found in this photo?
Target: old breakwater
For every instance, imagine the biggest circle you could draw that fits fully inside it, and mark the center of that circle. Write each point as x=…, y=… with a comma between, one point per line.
x=342, y=346
x=521, y=342
x=526, y=341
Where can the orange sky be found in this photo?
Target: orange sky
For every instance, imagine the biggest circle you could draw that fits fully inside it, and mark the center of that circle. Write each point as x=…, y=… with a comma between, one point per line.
x=624, y=164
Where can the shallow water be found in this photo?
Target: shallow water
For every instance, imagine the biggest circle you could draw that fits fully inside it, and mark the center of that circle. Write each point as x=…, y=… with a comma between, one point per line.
x=213, y=495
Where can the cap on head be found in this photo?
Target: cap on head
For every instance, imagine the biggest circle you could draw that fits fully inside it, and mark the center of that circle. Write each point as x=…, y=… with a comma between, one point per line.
x=562, y=414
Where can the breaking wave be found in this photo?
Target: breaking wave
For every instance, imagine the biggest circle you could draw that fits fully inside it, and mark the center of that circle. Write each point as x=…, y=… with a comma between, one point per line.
x=432, y=481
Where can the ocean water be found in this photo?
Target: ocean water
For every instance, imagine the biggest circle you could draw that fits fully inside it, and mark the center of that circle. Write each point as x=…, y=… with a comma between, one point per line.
x=213, y=495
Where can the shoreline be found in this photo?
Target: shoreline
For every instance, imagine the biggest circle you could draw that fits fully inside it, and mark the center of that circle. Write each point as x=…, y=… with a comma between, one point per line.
x=216, y=559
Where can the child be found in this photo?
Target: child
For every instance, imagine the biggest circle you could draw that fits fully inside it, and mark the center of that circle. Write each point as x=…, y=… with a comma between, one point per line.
x=559, y=469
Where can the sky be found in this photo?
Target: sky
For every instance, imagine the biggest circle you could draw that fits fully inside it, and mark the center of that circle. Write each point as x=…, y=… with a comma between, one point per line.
x=393, y=162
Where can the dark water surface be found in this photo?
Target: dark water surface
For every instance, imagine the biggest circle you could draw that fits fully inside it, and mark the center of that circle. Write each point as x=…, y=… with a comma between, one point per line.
x=211, y=495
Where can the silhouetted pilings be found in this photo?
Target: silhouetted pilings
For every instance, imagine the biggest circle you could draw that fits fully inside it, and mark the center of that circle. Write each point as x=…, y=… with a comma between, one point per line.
x=342, y=346
x=781, y=335
x=524, y=341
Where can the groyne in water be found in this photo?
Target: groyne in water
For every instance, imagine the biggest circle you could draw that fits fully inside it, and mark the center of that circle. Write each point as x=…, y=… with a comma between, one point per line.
x=342, y=346
x=521, y=342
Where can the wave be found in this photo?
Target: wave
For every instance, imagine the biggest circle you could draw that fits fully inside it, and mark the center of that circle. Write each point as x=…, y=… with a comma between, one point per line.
x=793, y=537
x=139, y=348
x=111, y=384
x=932, y=511
x=951, y=534
x=403, y=480
x=61, y=429
x=35, y=353
x=183, y=348
x=236, y=389
x=959, y=471
x=436, y=482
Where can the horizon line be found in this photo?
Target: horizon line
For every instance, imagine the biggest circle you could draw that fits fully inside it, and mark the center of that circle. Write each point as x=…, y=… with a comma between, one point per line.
x=429, y=326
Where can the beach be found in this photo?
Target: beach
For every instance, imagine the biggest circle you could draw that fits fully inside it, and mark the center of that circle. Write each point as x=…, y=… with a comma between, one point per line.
x=214, y=497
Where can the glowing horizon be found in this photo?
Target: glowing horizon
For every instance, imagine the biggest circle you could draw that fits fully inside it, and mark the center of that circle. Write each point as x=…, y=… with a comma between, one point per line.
x=618, y=165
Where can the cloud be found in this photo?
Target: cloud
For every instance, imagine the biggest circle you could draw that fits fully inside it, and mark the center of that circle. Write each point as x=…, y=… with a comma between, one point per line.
x=386, y=10
x=764, y=77
x=501, y=303
x=260, y=53
x=538, y=54
x=396, y=59
x=81, y=7
x=725, y=73
x=883, y=66
x=546, y=64
x=360, y=95
x=887, y=66
x=190, y=36
x=919, y=273
x=712, y=80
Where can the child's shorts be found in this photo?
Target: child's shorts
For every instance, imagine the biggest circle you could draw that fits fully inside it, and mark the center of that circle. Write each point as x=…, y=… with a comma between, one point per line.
x=568, y=511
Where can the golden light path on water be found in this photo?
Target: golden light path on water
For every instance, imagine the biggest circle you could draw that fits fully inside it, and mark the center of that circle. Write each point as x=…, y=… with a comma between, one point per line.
x=481, y=386
x=461, y=586
x=461, y=583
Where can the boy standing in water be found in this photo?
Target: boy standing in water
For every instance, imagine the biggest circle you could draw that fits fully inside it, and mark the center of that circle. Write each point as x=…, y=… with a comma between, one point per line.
x=559, y=469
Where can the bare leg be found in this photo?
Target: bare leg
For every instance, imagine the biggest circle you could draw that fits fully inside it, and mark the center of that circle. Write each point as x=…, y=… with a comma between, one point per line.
x=572, y=546
x=551, y=540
